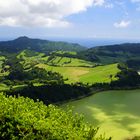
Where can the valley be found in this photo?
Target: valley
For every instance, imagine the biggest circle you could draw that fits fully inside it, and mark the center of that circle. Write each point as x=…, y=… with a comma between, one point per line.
x=69, y=69
x=72, y=69
x=102, y=83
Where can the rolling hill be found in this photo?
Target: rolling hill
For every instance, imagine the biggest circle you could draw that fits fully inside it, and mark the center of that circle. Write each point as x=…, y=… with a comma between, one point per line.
x=44, y=46
x=98, y=74
x=75, y=63
x=73, y=69
x=112, y=53
x=128, y=52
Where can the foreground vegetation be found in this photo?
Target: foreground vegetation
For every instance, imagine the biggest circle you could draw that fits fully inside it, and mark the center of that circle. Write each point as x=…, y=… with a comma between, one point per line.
x=22, y=118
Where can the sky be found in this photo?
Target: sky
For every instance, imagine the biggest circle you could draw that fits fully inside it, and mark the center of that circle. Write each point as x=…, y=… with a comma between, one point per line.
x=111, y=19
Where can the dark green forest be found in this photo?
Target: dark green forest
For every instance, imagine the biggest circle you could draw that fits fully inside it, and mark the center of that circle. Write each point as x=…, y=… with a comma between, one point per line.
x=114, y=53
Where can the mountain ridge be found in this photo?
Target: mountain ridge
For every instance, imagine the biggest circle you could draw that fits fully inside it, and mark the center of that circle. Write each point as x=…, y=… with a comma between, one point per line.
x=112, y=53
x=40, y=45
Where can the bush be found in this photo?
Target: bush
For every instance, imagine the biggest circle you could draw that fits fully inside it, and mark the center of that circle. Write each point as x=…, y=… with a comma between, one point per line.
x=22, y=118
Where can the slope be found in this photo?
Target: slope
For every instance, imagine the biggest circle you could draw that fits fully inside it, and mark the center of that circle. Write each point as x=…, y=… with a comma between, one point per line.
x=73, y=69
x=112, y=53
x=45, y=46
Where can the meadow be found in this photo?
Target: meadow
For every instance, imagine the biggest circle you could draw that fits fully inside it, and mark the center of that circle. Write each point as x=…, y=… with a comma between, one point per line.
x=115, y=112
x=72, y=69
x=85, y=74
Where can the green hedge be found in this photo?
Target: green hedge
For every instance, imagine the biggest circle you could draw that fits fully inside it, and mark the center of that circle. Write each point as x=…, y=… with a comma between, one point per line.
x=23, y=119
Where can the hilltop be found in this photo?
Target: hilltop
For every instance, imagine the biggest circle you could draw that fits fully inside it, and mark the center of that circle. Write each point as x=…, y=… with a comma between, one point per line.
x=44, y=46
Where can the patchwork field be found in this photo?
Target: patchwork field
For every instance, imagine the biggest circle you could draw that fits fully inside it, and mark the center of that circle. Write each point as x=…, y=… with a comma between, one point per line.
x=34, y=57
x=115, y=112
x=72, y=69
x=83, y=74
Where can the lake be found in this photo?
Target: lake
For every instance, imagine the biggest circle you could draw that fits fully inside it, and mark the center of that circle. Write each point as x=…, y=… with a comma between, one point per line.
x=117, y=113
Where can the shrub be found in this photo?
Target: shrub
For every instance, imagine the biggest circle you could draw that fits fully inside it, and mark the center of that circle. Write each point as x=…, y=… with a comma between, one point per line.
x=23, y=119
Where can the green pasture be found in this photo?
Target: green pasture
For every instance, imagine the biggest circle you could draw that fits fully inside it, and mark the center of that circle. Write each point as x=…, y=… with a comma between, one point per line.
x=70, y=62
x=57, y=60
x=73, y=69
x=85, y=74
x=66, y=52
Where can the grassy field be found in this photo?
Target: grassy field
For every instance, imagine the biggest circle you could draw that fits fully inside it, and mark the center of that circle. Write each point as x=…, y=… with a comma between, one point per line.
x=73, y=69
x=84, y=74
x=117, y=113
x=30, y=57
x=71, y=62
x=66, y=52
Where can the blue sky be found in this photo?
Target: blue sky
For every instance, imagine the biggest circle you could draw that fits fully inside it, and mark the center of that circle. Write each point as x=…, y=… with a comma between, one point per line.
x=118, y=19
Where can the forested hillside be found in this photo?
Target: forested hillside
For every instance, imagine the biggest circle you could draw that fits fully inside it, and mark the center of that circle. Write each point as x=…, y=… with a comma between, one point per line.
x=44, y=46
x=113, y=53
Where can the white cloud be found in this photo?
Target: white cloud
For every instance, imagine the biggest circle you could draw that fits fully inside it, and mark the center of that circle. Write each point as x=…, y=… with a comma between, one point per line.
x=122, y=24
x=48, y=13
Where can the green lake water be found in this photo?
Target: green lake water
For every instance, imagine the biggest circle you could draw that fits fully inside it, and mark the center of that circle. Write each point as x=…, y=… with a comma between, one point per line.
x=117, y=113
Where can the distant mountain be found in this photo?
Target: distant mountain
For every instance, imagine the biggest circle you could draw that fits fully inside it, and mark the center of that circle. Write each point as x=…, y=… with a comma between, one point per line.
x=45, y=46
x=113, y=53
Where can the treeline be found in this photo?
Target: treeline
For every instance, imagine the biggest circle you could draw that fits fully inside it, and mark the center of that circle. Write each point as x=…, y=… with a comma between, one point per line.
x=53, y=92
x=127, y=77
x=133, y=63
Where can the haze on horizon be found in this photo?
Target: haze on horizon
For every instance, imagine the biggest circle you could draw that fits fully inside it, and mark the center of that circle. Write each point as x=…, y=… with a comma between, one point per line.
x=110, y=19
